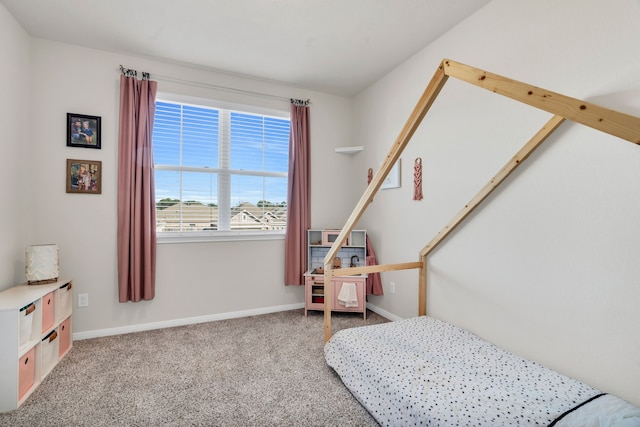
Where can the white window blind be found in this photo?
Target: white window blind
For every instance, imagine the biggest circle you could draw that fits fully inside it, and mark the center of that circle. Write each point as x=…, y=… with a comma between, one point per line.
x=219, y=170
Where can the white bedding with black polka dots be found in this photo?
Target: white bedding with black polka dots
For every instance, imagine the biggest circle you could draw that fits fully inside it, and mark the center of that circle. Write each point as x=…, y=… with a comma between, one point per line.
x=423, y=371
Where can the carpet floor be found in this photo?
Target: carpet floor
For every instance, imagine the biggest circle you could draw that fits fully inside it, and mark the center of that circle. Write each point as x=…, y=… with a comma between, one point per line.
x=266, y=370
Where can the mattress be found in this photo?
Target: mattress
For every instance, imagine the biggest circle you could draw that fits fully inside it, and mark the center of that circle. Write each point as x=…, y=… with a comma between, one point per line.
x=423, y=371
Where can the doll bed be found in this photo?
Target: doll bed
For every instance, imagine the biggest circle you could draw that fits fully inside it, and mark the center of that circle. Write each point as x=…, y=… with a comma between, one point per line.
x=423, y=371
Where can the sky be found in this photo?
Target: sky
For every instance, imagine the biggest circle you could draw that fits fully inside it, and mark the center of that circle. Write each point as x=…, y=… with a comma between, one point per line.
x=194, y=137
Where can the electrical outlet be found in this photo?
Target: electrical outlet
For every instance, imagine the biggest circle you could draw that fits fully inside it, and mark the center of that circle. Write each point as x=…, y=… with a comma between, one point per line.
x=392, y=287
x=83, y=300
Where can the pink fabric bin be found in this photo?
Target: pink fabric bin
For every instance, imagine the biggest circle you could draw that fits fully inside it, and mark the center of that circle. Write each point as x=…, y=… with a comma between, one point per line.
x=47, y=312
x=65, y=337
x=26, y=372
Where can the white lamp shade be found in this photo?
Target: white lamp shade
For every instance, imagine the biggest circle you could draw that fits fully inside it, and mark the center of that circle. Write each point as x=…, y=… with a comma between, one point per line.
x=41, y=263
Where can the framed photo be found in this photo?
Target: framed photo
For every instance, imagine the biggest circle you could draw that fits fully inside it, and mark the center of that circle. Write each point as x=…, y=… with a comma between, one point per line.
x=393, y=179
x=83, y=131
x=84, y=176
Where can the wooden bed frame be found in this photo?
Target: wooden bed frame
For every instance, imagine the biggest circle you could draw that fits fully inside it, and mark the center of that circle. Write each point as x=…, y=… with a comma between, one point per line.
x=563, y=107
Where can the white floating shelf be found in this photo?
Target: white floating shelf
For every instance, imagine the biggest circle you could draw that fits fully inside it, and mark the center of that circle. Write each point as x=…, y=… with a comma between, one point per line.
x=349, y=150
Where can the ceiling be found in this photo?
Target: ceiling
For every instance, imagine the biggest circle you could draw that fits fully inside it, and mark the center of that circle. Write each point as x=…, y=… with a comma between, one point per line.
x=332, y=46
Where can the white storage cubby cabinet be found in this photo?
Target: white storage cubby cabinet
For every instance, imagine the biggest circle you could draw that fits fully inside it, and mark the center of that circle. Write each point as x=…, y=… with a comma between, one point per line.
x=36, y=321
x=355, y=248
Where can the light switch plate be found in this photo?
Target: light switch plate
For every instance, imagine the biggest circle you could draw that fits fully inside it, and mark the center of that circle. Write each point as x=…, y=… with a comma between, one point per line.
x=83, y=300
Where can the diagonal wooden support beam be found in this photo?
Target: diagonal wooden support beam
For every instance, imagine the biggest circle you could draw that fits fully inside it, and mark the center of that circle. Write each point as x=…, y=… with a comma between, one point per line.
x=420, y=110
x=612, y=122
x=506, y=170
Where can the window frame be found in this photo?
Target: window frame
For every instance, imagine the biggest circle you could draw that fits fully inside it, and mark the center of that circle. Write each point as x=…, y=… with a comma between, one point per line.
x=202, y=236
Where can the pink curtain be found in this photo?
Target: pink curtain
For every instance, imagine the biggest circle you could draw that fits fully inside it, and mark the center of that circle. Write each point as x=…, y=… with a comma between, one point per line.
x=136, y=199
x=298, y=195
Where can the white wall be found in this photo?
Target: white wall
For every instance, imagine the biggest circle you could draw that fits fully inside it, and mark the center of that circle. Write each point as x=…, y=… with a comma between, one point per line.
x=193, y=280
x=15, y=143
x=547, y=267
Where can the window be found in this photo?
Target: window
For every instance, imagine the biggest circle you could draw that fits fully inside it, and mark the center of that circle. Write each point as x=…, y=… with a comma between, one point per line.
x=219, y=170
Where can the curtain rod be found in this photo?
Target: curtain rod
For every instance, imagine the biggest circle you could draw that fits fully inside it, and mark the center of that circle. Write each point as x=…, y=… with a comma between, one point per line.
x=127, y=71
x=222, y=88
x=133, y=73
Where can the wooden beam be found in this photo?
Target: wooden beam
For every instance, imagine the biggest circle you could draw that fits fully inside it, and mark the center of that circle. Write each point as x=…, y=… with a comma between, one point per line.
x=424, y=103
x=420, y=110
x=422, y=288
x=354, y=271
x=328, y=275
x=506, y=170
x=612, y=122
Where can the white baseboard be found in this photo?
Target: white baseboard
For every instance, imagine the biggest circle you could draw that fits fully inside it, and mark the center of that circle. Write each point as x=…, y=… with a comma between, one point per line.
x=181, y=322
x=383, y=313
x=208, y=318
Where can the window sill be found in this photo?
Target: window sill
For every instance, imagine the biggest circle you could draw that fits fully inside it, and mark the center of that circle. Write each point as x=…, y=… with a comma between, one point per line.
x=219, y=236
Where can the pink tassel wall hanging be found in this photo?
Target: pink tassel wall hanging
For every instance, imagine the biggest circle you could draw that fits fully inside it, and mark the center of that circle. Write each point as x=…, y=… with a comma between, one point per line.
x=417, y=179
x=369, y=176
